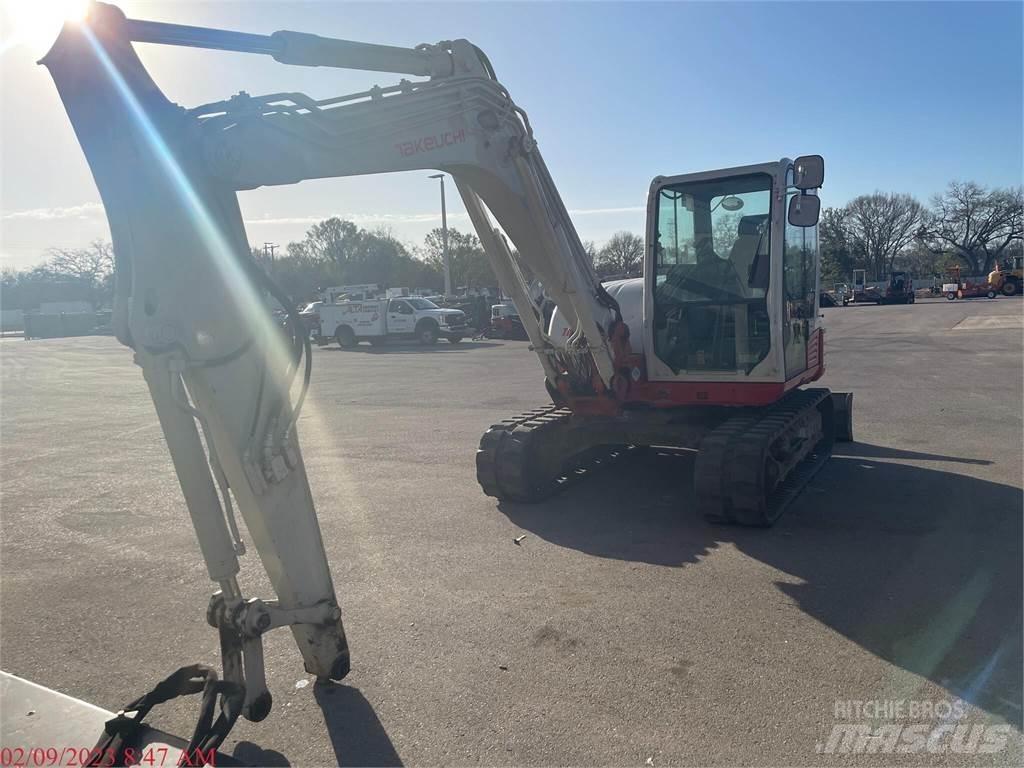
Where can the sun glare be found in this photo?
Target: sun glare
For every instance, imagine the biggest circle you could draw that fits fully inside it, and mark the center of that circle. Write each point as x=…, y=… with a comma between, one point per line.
x=36, y=23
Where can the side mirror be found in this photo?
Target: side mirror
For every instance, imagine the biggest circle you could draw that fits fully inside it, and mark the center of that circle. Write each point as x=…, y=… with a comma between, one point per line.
x=808, y=172
x=804, y=210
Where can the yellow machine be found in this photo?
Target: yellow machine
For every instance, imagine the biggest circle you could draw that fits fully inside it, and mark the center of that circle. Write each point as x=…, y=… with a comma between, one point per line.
x=1007, y=279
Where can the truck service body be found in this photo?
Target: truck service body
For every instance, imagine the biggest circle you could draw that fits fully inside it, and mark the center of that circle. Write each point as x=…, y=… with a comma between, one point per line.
x=349, y=322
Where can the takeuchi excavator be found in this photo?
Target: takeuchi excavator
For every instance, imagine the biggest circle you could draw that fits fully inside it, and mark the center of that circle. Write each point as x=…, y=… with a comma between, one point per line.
x=710, y=349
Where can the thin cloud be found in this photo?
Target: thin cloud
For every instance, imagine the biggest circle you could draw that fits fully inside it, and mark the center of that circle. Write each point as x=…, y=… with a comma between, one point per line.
x=83, y=211
x=356, y=218
x=414, y=218
x=95, y=210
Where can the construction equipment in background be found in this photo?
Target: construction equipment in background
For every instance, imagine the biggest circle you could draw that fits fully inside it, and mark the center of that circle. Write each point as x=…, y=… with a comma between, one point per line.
x=897, y=289
x=960, y=287
x=860, y=287
x=861, y=291
x=709, y=350
x=1007, y=277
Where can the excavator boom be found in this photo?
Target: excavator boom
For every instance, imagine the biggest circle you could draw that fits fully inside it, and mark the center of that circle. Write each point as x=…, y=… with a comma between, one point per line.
x=189, y=300
x=461, y=121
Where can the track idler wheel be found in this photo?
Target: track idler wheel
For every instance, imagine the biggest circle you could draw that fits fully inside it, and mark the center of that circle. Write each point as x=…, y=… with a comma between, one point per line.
x=508, y=462
x=533, y=456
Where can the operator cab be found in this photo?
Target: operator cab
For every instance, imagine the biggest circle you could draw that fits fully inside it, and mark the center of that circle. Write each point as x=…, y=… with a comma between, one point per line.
x=728, y=251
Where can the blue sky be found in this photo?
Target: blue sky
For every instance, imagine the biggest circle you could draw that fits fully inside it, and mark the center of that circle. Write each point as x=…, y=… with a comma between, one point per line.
x=896, y=96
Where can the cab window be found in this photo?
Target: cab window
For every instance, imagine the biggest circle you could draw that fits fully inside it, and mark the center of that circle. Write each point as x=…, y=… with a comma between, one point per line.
x=711, y=274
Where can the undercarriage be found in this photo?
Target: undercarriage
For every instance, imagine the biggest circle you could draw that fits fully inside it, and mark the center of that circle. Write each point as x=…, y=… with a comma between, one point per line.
x=751, y=462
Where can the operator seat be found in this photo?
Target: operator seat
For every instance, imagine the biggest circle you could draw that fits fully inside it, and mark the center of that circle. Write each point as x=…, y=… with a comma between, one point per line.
x=744, y=251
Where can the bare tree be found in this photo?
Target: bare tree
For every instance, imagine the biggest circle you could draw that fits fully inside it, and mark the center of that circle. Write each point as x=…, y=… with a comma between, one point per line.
x=91, y=267
x=90, y=264
x=623, y=254
x=974, y=223
x=724, y=231
x=591, y=250
x=880, y=226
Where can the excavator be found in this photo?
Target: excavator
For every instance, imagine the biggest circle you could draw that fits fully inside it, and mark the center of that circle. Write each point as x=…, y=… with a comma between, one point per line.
x=710, y=349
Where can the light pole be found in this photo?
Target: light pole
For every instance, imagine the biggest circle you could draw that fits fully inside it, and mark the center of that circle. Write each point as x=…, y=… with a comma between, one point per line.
x=444, y=239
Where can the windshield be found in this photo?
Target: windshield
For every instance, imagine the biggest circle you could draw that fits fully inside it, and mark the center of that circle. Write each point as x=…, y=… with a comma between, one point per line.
x=711, y=273
x=422, y=304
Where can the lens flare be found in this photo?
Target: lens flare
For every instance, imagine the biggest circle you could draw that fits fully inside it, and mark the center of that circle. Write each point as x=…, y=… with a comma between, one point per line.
x=247, y=300
x=35, y=24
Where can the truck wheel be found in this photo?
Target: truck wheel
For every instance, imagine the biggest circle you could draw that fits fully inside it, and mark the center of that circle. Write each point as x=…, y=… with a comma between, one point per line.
x=1011, y=288
x=345, y=337
x=991, y=294
x=454, y=339
x=426, y=334
x=951, y=296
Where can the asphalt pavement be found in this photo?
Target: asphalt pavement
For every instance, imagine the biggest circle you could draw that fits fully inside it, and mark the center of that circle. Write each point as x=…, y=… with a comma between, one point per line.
x=621, y=630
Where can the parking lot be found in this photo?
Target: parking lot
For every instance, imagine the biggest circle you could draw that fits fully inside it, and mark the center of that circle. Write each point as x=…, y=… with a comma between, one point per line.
x=621, y=630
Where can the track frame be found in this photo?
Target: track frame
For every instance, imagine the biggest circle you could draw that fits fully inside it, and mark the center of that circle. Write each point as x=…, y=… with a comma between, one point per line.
x=751, y=463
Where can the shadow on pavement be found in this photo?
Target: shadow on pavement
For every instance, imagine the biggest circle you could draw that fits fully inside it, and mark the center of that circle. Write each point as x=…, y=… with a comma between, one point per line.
x=247, y=753
x=918, y=566
x=868, y=451
x=357, y=735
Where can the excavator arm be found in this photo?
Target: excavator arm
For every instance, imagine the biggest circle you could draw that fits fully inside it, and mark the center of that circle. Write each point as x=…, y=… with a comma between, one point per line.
x=190, y=302
x=461, y=121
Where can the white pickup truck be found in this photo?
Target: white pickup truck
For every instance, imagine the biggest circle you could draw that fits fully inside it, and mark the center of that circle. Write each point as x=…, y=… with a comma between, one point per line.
x=349, y=322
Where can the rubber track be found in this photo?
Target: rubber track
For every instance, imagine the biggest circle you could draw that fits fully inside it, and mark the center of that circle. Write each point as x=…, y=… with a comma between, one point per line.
x=728, y=475
x=505, y=461
x=490, y=445
x=736, y=470
x=711, y=471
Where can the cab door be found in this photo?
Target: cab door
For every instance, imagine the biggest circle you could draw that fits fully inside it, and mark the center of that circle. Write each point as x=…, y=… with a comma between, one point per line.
x=799, y=292
x=401, y=318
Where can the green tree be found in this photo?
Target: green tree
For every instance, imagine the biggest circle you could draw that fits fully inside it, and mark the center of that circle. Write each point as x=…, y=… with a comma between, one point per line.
x=337, y=252
x=333, y=240
x=835, y=243
x=468, y=262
